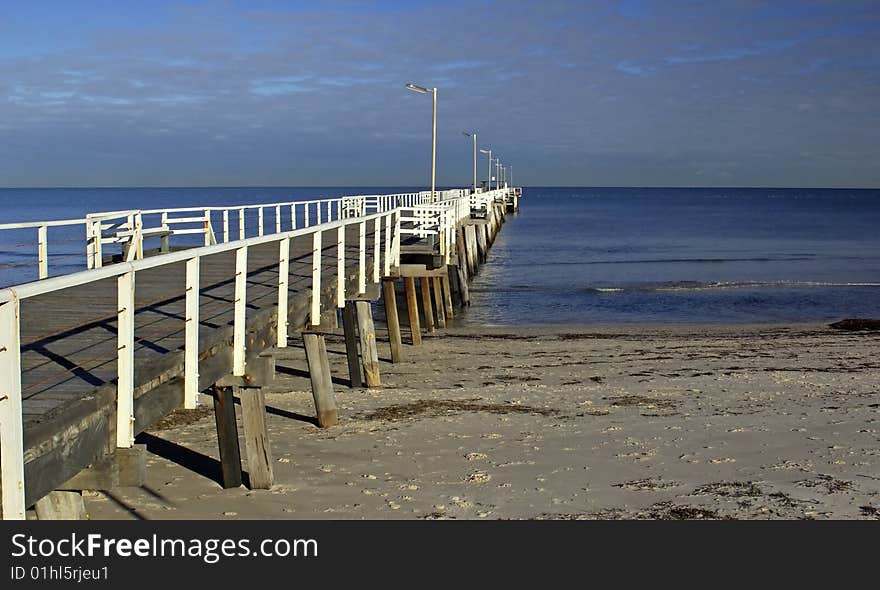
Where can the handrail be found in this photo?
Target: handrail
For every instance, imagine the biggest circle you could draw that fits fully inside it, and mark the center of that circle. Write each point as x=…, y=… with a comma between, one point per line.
x=421, y=216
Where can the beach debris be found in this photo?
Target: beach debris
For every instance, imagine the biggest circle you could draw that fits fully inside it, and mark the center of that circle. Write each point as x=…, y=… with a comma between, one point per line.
x=856, y=325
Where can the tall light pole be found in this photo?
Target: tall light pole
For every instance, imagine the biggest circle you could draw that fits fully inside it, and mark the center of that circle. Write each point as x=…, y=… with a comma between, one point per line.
x=489, y=177
x=474, y=136
x=497, y=172
x=423, y=90
x=511, y=174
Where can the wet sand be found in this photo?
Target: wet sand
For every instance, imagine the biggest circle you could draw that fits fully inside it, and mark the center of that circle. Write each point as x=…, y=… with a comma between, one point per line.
x=745, y=422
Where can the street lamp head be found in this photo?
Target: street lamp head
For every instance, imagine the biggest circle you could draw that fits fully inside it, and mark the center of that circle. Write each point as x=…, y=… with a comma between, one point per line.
x=467, y=134
x=482, y=151
x=420, y=89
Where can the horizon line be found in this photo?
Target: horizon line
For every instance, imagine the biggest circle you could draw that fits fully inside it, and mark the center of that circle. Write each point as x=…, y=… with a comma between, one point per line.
x=337, y=186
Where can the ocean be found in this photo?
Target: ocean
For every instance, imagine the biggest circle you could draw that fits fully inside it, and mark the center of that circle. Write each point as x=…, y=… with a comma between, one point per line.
x=609, y=255
x=585, y=256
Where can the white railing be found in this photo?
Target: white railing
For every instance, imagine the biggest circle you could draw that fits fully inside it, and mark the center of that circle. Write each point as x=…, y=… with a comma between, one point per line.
x=389, y=214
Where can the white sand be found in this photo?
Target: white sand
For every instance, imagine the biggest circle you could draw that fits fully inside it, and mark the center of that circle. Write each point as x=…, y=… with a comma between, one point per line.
x=626, y=422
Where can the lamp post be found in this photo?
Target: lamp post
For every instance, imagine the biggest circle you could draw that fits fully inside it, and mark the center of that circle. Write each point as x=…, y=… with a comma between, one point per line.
x=511, y=174
x=423, y=90
x=497, y=173
x=474, y=136
x=489, y=173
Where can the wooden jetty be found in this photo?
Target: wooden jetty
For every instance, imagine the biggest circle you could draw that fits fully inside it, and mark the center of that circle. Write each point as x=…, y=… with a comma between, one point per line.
x=90, y=359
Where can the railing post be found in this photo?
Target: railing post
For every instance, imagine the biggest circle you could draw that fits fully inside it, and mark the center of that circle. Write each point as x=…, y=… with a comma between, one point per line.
x=377, y=246
x=210, y=238
x=293, y=216
x=316, y=278
x=225, y=225
x=386, y=271
x=165, y=240
x=11, y=428
x=283, y=278
x=318, y=212
x=125, y=360
x=241, y=223
x=239, y=319
x=191, y=343
x=259, y=221
x=90, y=245
x=362, y=258
x=277, y=219
x=139, y=236
x=340, y=266
x=397, y=240
x=43, y=251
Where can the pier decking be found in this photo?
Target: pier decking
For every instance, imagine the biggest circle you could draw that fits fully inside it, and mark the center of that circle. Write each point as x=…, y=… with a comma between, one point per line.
x=90, y=359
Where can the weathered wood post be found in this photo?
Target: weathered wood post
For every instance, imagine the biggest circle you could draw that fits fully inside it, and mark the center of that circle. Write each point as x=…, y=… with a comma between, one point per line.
x=256, y=438
x=447, y=294
x=412, y=309
x=322, y=383
x=227, y=437
x=367, y=332
x=427, y=308
x=390, y=300
x=61, y=505
x=351, y=344
x=438, y=302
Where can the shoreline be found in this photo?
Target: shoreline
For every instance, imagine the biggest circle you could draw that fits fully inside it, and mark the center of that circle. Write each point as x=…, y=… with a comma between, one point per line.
x=721, y=421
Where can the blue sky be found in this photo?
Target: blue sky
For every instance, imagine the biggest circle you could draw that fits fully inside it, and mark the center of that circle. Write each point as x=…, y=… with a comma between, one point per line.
x=598, y=93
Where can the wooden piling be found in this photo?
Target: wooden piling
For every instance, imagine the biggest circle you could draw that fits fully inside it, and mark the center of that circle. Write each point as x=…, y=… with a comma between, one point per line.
x=351, y=344
x=447, y=295
x=227, y=437
x=427, y=308
x=61, y=505
x=482, y=242
x=256, y=437
x=412, y=309
x=322, y=383
x=367, y=332
x=438, y=302
x=390, y=300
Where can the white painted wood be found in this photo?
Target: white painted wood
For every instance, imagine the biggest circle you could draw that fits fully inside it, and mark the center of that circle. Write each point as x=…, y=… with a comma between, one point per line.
x=43, y=251
x=396, y=246
x=386, y=271
x=340, y=266
x=97, y=234
x=191, y=341
x=125, y=284
x=239, y=318
x=241, y=223
x=316, y=279
x=377, y=243
x=362, y=257
x=259, y=221
x=283, y=281
x=277, y=219
x=11, y=430
x=225, y=226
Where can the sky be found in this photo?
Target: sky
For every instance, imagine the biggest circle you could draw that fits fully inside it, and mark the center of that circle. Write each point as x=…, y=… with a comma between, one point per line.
x=570, y=93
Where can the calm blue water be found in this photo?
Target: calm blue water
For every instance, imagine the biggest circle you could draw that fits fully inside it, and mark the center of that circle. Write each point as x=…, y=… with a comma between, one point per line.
x=588, y=255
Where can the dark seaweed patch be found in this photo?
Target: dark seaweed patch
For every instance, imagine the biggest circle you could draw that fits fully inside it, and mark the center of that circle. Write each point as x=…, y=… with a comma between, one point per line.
x=447, y=407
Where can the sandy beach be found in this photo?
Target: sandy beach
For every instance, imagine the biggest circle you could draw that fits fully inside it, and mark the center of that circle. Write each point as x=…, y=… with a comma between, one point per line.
x=633, y=422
